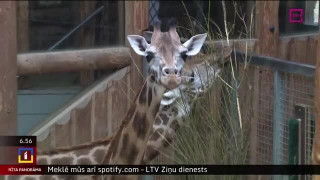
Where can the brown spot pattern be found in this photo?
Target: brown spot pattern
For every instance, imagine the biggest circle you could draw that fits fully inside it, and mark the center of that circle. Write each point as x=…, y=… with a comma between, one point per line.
x=167, y=141
x=115, y=144
x=62, y=160
x=165, y=107
x=154, y=91
x=174, y=125
x=156, y=134
x=99, y=155
x=113, y=147
x=142, y=98
x=149, y=96
x=175, y=110
x=150, y=154
x=140, y=124
x=158, y=121
x=80, y=152
x=132, y=154
x=164, y=118
x=84, y=161
x=124, y=147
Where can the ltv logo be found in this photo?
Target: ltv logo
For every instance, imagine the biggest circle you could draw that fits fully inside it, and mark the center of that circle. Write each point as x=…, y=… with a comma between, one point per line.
x=25, y=155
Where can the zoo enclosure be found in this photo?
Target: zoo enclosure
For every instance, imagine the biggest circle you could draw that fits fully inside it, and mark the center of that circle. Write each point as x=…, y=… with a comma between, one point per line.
x=295, y=49
x=287, y=91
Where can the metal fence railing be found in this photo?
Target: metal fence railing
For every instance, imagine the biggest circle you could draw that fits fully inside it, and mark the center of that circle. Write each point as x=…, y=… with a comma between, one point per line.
x=285, y=104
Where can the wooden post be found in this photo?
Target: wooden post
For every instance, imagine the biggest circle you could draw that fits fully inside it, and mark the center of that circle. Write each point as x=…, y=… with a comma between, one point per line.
x=267, y=33
x=267, y=27
x=23, y=26
x=87, y=37
x=8, y=68
x=136, y=21
x=121, y=19
x=316, y=141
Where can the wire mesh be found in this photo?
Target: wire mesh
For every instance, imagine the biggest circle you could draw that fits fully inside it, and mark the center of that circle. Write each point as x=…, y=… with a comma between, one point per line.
x=264, y=112
x=296, y=91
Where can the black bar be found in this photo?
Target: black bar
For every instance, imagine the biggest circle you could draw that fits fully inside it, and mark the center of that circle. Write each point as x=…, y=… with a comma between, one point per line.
x=180, y=169
x=18, y=141
x=276, y=63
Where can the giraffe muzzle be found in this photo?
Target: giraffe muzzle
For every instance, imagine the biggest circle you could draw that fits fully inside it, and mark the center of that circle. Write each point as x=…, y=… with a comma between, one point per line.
x=171, y=81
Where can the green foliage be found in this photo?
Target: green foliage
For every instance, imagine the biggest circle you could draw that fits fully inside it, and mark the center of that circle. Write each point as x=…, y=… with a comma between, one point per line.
x=212, y=132
x=216, y=131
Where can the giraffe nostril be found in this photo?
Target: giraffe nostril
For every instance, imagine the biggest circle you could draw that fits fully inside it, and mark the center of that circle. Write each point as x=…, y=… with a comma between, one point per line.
x=175, y=71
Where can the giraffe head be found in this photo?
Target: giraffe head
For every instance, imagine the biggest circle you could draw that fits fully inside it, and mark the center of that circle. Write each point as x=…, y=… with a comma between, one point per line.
x=166, y=55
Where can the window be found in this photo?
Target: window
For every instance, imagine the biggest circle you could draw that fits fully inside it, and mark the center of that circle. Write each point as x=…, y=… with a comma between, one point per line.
x=306, y=11
x=42, y=24
x=184, y=11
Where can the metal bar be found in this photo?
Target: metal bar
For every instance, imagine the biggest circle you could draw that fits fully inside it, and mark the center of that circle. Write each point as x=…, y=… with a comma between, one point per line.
x=276, y=63
x=277, y=118
x=76, y=28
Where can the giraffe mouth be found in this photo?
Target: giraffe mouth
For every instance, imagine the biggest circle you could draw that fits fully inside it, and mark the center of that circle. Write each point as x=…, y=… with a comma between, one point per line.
x=171, y=81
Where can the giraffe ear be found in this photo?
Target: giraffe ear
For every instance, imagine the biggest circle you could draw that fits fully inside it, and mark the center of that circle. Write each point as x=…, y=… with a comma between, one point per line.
x=194, y=44
x=138, y=44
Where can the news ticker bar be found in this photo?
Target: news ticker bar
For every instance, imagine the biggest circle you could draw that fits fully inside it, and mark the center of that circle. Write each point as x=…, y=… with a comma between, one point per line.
x=159, y=169
x=18, y=141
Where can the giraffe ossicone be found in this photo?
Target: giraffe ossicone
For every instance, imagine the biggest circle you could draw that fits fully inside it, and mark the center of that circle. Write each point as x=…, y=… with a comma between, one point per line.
x=166, y=57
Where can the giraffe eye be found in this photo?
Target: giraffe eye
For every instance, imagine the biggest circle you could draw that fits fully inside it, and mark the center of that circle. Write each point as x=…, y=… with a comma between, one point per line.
x=149, y=56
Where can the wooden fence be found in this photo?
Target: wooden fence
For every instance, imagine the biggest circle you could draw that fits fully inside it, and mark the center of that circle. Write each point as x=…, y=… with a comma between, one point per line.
x=95, y=113
x=302, y=49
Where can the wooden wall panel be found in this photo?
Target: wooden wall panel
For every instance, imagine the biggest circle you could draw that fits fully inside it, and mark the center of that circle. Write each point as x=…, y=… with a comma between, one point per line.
x=300, y=48
x=23, y=26
x=283, y=48
x=316, y=147
x=63, y=133
x=82, y=123
x=47, y=143
x=87, y=117
x=8, y=68
x=267, y=27
x=312, y=47
x=101, y=117
x=136, y=21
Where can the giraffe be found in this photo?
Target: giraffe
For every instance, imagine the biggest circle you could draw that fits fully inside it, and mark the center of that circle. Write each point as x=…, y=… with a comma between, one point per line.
x=166, y=57
x=176, y=103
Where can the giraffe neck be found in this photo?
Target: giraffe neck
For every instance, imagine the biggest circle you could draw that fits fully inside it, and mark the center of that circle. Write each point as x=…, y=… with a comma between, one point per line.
x=88, y=153
x=129, y=143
